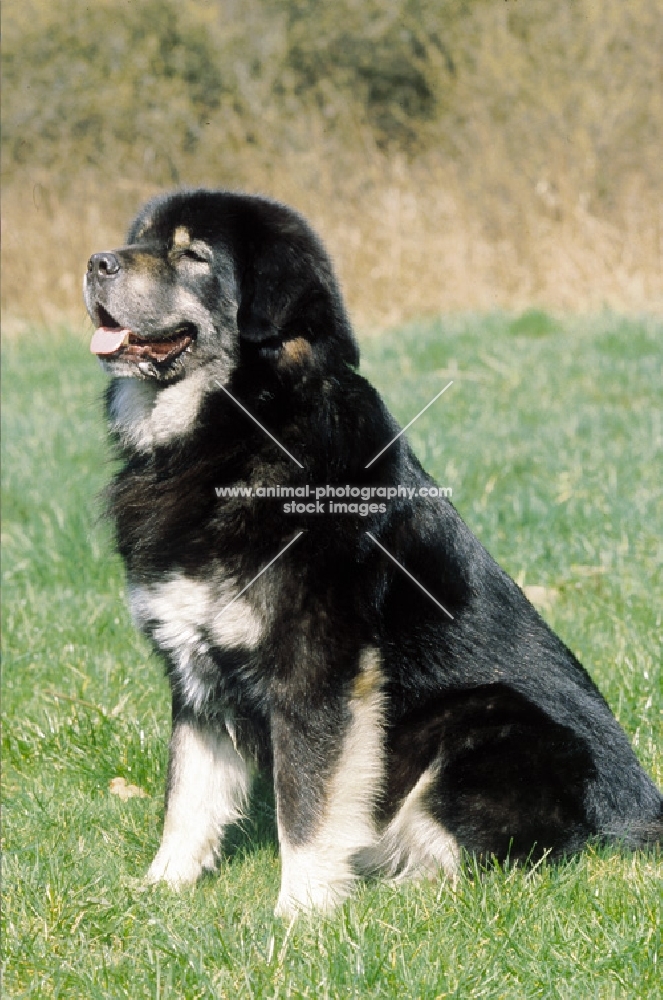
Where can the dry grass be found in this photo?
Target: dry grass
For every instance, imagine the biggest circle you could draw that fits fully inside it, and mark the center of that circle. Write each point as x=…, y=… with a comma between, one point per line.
x=407, y=241
x=535, y=179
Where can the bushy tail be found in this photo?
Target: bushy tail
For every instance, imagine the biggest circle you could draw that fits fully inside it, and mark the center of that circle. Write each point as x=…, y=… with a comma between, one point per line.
x=647, y=833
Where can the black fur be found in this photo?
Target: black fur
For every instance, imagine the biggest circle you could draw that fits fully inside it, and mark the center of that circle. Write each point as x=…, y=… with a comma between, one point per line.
x=528, y=756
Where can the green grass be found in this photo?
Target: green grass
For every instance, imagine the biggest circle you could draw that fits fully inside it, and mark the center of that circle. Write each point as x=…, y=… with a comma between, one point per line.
x=550, y=439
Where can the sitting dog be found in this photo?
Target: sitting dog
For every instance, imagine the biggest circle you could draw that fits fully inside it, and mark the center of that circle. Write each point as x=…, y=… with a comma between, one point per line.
x=407, y=699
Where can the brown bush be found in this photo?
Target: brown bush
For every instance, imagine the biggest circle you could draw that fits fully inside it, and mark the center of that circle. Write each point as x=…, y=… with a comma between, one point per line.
x=454, y=156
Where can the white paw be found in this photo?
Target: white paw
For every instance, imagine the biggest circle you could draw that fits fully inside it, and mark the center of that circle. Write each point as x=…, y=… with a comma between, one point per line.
x=176, y=867
x=307, y=895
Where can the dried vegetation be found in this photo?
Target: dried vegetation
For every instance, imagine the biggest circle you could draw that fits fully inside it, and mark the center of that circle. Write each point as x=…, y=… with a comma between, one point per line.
x=454, y=156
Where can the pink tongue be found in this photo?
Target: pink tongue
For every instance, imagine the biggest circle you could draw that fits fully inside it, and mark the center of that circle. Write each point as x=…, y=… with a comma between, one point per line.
x=108, y=340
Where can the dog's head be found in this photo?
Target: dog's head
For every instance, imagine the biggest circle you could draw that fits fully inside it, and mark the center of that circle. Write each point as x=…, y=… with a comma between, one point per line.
x=208, y=276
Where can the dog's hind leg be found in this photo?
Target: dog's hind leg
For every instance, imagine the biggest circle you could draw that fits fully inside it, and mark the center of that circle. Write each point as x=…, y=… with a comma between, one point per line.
x=208, y=787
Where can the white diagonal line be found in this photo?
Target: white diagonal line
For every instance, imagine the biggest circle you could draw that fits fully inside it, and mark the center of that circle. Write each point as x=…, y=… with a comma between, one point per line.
x=408, y=425
x=407, y=573
x=260, y=425
x=263, y=570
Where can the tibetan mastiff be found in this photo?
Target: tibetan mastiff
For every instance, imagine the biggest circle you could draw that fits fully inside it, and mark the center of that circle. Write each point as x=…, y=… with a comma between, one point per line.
x=406, y=698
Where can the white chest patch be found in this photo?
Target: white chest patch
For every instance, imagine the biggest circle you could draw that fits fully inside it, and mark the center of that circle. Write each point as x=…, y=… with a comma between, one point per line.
x=187, y=618
x=144, y=414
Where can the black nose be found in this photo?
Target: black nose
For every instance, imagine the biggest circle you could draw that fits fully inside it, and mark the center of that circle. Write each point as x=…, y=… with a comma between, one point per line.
x=103, y=264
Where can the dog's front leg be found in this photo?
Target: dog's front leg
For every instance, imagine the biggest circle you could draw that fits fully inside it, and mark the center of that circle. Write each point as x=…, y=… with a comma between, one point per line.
x=328, y=768
x=208, y=785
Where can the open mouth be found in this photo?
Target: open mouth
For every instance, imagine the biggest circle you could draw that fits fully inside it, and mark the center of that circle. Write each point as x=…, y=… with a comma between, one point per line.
x=111, y=340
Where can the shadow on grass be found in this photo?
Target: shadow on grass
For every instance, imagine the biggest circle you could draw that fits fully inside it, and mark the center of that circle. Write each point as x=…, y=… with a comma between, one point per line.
x=258, y=829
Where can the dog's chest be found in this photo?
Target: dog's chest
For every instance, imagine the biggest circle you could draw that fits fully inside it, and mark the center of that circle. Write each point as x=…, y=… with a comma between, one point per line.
x=198, y=626
x=145, y=415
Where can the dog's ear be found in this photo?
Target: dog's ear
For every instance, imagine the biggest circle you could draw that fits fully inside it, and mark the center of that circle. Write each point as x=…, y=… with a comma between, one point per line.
x=289, y=295
x=263, y=307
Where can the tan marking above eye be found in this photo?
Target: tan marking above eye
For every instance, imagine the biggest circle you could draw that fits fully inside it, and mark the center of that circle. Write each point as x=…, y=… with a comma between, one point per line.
x=181, y=237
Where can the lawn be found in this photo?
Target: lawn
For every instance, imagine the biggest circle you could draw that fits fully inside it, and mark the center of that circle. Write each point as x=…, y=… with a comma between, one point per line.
x=550, y=439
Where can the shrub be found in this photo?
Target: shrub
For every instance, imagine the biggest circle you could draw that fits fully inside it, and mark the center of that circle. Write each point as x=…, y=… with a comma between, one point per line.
x=91, y=84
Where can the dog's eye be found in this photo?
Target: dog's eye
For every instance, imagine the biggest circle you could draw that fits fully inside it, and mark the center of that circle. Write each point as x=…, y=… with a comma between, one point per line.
x=196, y=251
